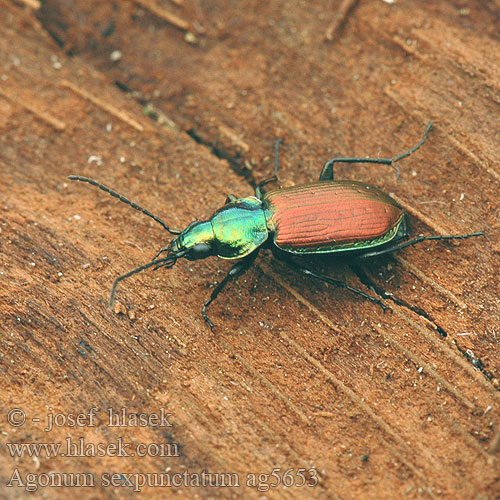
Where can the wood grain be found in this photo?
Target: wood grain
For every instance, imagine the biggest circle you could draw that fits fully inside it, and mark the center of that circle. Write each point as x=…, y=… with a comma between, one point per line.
x=297, y=374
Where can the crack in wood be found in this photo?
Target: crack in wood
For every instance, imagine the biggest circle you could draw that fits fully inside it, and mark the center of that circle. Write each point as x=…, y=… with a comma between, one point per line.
x=117, y=113
x=237, y=164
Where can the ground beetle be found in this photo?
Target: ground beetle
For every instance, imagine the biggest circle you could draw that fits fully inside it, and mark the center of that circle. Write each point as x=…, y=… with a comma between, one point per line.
x=322, y=217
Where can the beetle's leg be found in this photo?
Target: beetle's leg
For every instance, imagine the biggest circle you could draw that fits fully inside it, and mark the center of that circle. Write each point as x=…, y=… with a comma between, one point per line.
x=237, y=270
x=230, y=199
x=418, y=239
x=327, y=279
x=327, y=172
x=274, y=177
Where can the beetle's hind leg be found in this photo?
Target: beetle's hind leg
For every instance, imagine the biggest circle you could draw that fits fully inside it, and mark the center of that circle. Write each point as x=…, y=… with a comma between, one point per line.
x=327, y=172
x=418, y=239
x=237, y=270
x=274, y=177
x=327, y=279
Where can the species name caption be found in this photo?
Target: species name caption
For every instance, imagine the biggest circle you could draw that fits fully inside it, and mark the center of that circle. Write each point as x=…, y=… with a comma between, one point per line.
x=325, y=217
x=81, y=447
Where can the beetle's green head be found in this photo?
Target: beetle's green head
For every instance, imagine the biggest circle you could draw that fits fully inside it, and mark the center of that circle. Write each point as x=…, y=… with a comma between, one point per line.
x=195, y=242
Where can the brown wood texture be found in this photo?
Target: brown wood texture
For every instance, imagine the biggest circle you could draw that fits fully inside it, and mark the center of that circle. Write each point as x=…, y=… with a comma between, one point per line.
x=175, y=104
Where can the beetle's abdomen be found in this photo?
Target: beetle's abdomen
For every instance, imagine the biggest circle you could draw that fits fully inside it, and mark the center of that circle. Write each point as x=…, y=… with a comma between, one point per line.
x=332, y=216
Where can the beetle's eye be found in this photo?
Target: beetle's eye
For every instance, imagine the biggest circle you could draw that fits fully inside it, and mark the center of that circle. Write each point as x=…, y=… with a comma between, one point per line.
x=199, y=251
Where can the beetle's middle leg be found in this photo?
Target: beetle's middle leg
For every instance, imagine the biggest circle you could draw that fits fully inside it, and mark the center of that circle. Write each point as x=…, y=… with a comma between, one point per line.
x=327, y=279
x=237, y=270
x=274, y=177
x=327, y=172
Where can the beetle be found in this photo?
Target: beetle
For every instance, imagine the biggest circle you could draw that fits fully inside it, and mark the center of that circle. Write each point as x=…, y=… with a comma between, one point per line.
x=325, y=217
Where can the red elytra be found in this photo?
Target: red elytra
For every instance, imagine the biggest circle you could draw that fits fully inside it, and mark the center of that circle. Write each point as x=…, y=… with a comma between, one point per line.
x=329, y=216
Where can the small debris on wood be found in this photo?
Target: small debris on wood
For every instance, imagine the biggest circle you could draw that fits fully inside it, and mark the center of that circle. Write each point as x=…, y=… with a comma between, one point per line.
x=119, y=308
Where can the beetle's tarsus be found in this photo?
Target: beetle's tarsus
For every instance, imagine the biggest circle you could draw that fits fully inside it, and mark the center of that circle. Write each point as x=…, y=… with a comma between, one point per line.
x=237, y=270
x=398, y=172
x=206, y=318
x=412, y=150
x=418, y=239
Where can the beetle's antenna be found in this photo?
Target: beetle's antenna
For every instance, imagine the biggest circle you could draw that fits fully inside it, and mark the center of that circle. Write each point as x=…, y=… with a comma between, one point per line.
x=165, y=262
x=106, y=189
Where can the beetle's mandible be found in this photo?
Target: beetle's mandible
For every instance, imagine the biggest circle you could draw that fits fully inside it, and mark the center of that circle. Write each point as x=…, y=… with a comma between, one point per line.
x=323, y=217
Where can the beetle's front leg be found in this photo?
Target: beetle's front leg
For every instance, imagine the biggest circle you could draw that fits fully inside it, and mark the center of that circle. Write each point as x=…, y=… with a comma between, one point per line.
x=237, y=270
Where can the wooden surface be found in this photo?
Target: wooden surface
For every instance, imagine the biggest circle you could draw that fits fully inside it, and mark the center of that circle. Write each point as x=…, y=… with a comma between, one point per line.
x=297, y=374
